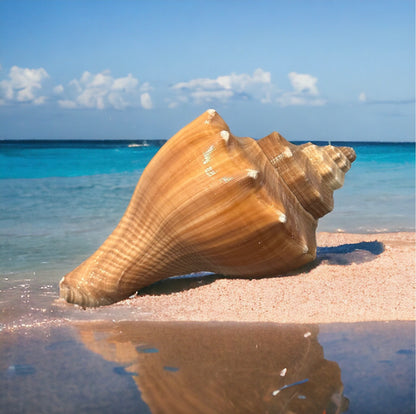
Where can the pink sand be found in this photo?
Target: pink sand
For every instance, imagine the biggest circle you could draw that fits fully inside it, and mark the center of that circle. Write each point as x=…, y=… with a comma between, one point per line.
x=369, y=285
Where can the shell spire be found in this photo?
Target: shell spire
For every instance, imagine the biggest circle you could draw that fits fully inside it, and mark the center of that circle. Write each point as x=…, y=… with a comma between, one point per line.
x=211, y=201
x=312, y=173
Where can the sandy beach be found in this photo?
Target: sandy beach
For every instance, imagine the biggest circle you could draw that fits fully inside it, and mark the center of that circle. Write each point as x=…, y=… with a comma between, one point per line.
x=356, y=278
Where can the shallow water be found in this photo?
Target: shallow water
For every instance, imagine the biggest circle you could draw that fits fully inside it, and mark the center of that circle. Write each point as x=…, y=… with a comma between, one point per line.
x=209, y=367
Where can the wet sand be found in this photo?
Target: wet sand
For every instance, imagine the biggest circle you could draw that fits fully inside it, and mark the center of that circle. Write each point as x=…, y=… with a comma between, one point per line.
x=356, y=278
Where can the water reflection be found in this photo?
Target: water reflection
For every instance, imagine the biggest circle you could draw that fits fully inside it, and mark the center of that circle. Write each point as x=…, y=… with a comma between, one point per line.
x=221, y=367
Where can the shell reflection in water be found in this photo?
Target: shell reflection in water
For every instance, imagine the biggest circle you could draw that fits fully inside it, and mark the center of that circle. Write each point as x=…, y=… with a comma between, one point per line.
x=211, y=201
x=222, y=367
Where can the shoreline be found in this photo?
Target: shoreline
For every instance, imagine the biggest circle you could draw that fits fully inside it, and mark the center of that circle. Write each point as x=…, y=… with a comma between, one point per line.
x=355, y=278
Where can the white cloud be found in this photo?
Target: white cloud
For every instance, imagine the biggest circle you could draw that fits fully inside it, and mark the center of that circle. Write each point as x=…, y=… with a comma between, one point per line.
x=362, y=97
x=303, y=83
x=23, y=85
x=258, y=87
x=224, y=88
x=65, y=103
x=201, y=96
x=58, y=89
x=146, y=100
x=125, y=84
x=40, y=100
x=101, y=91
x=305, y=92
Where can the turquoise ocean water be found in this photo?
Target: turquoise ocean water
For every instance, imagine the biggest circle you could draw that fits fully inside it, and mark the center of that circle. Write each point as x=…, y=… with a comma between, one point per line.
x=60, y=200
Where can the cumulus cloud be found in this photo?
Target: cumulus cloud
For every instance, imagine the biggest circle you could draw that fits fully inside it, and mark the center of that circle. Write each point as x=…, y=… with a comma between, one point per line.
x=223, y=88
x=257, y=87
x=362, y=97
x=146, y=100
x=303, y=83
x=23, y=85
x=305, y=91
x=58, y=89
x=101, y=91
x=68, y=104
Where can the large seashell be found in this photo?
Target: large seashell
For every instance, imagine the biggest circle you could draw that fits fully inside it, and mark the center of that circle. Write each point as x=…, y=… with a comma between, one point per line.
x=210, y=201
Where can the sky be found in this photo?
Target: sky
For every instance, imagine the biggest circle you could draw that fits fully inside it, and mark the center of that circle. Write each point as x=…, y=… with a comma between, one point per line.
x=311, y=70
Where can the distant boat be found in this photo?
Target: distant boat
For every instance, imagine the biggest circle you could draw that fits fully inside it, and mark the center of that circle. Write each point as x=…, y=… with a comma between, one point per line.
x=145, y=144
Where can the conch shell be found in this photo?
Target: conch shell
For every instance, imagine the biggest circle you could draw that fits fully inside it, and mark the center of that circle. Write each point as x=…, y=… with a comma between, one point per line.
x=211, y=201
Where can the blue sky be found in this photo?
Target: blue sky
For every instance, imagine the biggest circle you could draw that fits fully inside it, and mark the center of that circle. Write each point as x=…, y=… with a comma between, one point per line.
x=311, y=70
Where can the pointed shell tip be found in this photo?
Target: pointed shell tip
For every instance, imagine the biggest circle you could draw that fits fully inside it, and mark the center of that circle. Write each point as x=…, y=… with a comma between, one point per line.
x=211, y=113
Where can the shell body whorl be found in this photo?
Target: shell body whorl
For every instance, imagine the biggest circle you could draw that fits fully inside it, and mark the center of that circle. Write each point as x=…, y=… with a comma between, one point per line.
x=211, y=201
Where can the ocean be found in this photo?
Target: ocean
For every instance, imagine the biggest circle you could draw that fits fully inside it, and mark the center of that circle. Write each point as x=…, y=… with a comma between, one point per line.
x=59, y=200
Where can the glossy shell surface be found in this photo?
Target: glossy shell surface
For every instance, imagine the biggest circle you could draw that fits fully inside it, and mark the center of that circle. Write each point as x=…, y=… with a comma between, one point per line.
x=211, y=201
